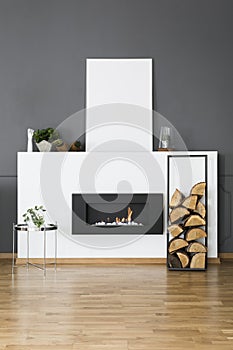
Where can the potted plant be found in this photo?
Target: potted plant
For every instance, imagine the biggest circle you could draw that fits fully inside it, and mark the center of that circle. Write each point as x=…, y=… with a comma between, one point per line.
x=44, y=138
x=60, y=145
x=75, y=146
x=35, y=216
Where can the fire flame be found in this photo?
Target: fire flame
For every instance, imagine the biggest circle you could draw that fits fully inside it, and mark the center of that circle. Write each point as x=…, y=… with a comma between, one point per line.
x=130, y=212
x=128, y=219
x=120, y=221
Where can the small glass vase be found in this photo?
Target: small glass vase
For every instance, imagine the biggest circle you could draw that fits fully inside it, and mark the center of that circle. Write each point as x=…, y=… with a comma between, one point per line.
x=165, y=138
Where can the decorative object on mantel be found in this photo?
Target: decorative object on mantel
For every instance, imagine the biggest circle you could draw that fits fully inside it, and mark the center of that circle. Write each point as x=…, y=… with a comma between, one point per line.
x=165, y=139
x=44, y=146
x=60, y=145
x=35, y=216
x=44, y=138
x=30, y=133
x=76, y=146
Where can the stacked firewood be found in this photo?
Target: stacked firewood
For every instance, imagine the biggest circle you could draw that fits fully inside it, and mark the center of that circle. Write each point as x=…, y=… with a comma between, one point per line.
x=187, y=229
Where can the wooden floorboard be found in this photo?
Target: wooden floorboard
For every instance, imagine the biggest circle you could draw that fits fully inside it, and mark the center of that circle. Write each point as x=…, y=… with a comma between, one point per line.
x=116, y=308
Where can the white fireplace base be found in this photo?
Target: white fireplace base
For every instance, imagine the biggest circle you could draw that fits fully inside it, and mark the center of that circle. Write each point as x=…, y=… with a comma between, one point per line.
x=50, y=179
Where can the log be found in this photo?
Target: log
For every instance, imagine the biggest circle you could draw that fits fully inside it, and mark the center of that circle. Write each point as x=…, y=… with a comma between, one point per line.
x=190, y=202
x=175, y=230
x=129, y=217
x=173, y=261
x=178, y=214
x=198, y=189
x=184, y=259
x=196, y=247
x=176, y=199
x=195, y=233
x=194, y=220
x=198, y=261
x=200, y=209
x=176, y=244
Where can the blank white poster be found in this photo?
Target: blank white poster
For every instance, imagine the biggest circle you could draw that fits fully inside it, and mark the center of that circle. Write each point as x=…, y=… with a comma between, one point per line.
x=119, y=104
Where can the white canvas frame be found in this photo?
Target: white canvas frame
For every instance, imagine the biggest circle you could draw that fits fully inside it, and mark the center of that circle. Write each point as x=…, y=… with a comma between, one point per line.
x=122, y=90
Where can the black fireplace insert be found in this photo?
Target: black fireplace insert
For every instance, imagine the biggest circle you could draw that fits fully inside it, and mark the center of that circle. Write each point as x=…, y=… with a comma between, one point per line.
x=127, y=213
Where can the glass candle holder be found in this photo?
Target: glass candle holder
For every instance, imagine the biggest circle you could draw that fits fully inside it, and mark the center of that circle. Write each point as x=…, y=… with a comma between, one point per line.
x=165, y=137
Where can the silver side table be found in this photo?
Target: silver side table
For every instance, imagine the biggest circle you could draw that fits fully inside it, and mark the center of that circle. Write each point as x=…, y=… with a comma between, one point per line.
x=43, y=230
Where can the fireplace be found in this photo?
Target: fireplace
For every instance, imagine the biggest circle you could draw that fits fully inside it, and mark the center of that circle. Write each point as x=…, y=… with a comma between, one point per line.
x=117, y=213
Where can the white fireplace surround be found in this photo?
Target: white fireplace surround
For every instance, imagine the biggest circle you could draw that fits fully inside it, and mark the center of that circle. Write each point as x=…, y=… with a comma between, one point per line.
x=50, y=179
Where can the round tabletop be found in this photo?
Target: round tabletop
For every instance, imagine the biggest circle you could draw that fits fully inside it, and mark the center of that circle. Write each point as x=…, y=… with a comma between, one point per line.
x=25, y=227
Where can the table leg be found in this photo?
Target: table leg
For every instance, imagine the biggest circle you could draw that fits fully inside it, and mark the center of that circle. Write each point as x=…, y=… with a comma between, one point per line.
x=13, y=250
x=55, y=262
x=27, y=249
x=44, y=251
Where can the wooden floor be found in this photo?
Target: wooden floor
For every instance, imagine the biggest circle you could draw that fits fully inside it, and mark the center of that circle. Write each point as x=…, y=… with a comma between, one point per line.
x=116, y=308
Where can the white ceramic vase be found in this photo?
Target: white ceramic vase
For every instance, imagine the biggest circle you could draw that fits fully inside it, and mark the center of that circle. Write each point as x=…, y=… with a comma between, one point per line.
x=44, y=146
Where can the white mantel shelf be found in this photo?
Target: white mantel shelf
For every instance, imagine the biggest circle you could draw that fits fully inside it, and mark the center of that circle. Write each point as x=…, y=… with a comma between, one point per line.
x=51, y=178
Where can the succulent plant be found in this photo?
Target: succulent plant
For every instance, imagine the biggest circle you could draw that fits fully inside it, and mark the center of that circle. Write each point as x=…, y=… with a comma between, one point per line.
x=77, y=144
x=58, y=142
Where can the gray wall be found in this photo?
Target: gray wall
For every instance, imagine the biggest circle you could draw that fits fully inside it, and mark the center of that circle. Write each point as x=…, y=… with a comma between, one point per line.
x=43, y=47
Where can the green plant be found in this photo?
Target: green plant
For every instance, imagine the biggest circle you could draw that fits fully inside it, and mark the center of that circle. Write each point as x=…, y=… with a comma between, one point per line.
x=35, y=215
x=58, y=142
x=77, y=144
x=48, y=134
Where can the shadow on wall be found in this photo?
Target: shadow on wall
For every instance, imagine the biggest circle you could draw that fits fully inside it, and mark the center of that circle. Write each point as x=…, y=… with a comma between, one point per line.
x=225, y=203
x=8, y=203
